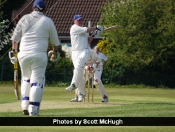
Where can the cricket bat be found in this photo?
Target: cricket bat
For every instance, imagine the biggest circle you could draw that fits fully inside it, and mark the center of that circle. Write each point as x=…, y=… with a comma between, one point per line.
x=112, y=27
x=16, y=78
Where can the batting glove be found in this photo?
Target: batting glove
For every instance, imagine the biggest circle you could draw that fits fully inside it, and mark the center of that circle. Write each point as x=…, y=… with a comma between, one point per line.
x=93, y=33
x=99, y=28
x=13, y=59
x=98, y=31
x=53, y=55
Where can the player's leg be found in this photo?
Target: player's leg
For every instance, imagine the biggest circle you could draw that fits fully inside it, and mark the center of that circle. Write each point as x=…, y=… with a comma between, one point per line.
x=79, y=60
x=37, y=82
x=75, y=99
x=81, y=90
x=99, y=85
x=24, y=63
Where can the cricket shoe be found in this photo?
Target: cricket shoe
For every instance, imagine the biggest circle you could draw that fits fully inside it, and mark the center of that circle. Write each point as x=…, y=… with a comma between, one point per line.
x=71, y=87
x=105, y=99
x=33, y=114
x=25, y=112
x=74, y=99
x=81, y=97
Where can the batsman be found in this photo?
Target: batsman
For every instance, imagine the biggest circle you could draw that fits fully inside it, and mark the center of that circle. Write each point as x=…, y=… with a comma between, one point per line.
x=34, y=31
x=80, y=49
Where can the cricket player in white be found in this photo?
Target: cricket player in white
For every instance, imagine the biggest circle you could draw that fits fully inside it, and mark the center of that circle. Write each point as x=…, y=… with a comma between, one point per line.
x=80, y=49
x=97, y=75
x=93, y=61
x=96, y=63
x=33, y=54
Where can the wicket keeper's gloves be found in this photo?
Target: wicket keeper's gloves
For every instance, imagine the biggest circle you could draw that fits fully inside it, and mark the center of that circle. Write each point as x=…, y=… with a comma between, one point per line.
x=91, y=68
x=13, y=59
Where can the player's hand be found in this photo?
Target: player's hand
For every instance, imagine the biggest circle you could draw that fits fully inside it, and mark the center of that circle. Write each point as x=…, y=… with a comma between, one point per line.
x=12, y=57
x=100, y=28
x=54, y=56
x=93, y=33
x=90, y=68
x=86, y=68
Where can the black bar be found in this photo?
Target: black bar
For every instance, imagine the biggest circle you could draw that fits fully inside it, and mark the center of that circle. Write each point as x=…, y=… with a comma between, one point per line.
x=87, y=121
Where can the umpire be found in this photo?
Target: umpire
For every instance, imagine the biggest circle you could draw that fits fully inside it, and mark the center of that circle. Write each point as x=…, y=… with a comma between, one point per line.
x=34, y=31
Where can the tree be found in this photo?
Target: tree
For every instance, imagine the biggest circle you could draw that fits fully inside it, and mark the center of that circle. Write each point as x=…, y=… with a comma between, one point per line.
x=146, y=38
x=6, y=25
x=1, y=5
x=9, y=6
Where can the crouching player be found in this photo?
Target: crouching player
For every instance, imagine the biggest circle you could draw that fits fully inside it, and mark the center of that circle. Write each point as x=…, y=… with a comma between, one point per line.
x=93, y=64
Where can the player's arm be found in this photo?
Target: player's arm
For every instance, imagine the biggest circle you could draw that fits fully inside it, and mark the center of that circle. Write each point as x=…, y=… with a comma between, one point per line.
x=95, y=30
x=13, y=53
x=54, y=35
x=90, y=38
x=55, y=48
x=16, y=37
x=105, y=60
x=90, y=29
x=54, y=54
x=14, y=46
x=17, y=34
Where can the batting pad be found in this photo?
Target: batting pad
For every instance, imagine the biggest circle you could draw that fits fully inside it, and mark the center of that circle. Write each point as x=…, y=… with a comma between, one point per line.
x=34, y=109
x=25, y=89
x=101, y=89
x=36, y=93
x=81, y=87
x=77, y=77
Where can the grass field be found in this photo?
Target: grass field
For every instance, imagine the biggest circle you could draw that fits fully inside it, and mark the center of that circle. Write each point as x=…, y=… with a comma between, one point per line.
x=123, y=102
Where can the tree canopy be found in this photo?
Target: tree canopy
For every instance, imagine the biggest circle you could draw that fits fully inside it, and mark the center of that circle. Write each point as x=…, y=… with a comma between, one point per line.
x=9, y=6
x=6, y=24
x=146, y=37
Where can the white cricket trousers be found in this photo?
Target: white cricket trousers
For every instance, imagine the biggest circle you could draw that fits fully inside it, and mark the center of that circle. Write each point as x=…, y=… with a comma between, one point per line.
x=33, y=67
x=79, y=59
x=97, y=82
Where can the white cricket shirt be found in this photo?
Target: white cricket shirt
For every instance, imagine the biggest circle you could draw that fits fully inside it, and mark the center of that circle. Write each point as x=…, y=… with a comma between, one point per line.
x=79, y=37
x=102, y=57
x=37, y=38
x=93, y=58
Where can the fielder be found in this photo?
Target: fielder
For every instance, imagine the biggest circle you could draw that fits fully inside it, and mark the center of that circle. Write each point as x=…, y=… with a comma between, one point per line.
x=98, y=73
x=103, y=58
x=80, y=49
x=34, y=31
x=94, y=64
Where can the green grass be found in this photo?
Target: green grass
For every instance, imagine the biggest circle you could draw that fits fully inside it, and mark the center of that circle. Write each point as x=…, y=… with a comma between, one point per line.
x=123, y=102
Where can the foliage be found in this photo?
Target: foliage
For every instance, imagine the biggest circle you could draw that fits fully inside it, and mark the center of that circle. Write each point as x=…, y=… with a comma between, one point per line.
x=102, y=44
x=6, y=70
x=1, y=5
x=6, y=26
x=5, y=36
x=146, y=38
x=58, y=71
x=11, y=5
